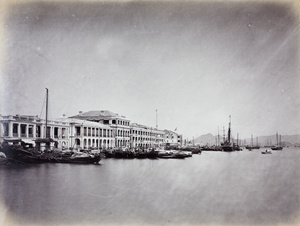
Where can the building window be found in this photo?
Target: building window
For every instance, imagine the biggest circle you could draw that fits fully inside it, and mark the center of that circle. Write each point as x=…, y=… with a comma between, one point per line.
x=84, y=143
x=38, y=131
x=63, y=133
x=77, y=129
x=15, y=130
x=5, y=127
x=23, y=130
x=30, y=131
x=55, y=132
x=48, y=132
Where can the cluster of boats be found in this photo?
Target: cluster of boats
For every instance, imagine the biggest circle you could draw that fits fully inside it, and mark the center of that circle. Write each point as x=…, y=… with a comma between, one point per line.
x=17, y=151
x=150, y=153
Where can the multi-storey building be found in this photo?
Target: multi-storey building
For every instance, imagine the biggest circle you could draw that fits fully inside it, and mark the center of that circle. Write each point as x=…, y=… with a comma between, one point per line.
x=172, y=138
x=93, y=129
x=28, y=128
x=119, y=124
x=86, y=134
x=145, y=136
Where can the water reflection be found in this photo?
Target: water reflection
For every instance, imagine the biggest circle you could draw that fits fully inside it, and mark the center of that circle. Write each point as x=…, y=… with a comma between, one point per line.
x=219, y=188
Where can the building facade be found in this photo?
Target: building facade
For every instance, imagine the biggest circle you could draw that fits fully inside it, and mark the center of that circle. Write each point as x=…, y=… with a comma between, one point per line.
x=119, y=124
x=29, y=128
x=89, y=130
x=172, y=138
x=90, y=135
x=145, y=137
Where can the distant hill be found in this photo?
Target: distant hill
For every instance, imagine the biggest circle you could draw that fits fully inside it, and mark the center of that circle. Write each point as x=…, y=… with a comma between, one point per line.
x=207, y=139
x=210, y=139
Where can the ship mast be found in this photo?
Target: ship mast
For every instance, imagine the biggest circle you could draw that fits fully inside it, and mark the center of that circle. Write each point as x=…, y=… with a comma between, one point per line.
x=47, y=134
x=156, y=119
x=218, y=143
x=229, y=130
x=279, y=140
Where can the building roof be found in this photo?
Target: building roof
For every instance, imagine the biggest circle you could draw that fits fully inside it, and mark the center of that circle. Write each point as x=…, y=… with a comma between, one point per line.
x=87, y=123
x=170, y=132
x=153, y=129
x=97, y=114
x=18, y=118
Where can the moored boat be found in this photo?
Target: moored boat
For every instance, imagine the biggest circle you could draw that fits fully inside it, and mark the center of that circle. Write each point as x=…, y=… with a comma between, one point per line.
x=17, y=151
x=171, y=154
x=278, y=146
x=78, y=158
x=266, y=152
x=227, y=146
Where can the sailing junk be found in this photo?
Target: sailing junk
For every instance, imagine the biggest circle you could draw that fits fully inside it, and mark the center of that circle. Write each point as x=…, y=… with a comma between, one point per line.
x=227, y=146
x=278, y=147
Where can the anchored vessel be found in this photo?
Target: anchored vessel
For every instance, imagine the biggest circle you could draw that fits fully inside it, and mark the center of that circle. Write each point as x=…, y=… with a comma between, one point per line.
x=227, y=145
x=278, y=146
x=266, y=152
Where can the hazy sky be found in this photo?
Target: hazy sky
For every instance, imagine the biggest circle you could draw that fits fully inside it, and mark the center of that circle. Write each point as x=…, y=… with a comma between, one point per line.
x=195, y=62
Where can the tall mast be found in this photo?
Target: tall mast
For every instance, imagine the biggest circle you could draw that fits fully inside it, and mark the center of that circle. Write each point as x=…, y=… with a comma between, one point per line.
x=229, y=130
x=156, y=119
x=279, y=140
x=218, y=137
x=47, y=135
x=151, y=138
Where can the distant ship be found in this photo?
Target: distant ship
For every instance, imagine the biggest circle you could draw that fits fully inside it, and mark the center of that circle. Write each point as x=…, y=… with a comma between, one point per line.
x=253, y=146
x=227, y=146
x=278, y=147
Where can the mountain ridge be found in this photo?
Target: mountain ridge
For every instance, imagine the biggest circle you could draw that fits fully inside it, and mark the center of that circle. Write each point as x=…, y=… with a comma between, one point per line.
x=210, y=139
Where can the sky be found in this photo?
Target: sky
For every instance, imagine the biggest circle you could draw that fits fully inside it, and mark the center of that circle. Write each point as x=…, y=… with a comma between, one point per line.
x=195, y=62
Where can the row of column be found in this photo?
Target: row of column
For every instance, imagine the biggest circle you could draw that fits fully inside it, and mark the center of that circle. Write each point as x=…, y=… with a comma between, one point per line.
x=19, y=130
x=85, y=143
x=27, y=130
x=95, y=132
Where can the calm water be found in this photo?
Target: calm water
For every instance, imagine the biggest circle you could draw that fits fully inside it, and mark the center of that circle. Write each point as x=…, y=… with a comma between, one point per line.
x=241, y=188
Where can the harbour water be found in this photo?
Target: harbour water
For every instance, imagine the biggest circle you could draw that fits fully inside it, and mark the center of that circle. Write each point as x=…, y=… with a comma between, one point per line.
x=216, y=188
